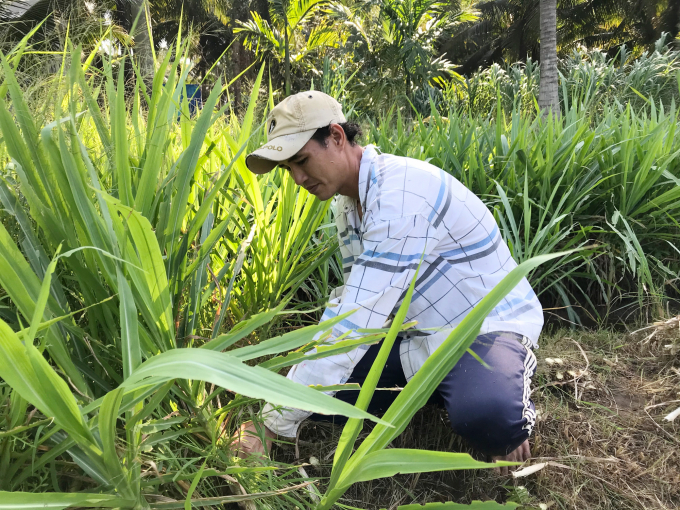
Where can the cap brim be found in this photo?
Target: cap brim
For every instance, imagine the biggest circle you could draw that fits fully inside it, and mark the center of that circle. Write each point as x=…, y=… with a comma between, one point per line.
x=277, y=149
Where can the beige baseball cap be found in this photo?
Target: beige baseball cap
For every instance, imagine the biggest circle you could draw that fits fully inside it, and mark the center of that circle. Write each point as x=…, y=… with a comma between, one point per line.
x=290, y=125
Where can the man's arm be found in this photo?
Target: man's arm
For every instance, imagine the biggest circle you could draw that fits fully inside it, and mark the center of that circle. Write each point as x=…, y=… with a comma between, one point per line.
x=378, y=281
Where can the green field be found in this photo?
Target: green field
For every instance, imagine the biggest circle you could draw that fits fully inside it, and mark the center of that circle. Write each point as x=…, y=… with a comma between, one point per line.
x=153, y=290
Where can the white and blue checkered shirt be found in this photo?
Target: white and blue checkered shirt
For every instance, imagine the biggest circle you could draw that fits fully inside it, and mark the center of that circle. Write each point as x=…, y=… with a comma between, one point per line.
x=413, y=208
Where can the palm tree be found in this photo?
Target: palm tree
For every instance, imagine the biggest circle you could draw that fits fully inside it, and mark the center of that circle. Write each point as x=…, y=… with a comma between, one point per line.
x=509, y=30
x=211, y=25
x=293, y=32
x=400, y=51
x=505, y=30
x=411, y=29
x=548, y=99
x=20, y=17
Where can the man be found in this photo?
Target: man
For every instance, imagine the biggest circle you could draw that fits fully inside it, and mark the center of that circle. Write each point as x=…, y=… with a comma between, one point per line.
x=390, y=211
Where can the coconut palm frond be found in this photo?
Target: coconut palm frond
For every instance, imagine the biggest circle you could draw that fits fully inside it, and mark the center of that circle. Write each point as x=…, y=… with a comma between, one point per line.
x=324, y=37
x=260, y=37
x=350, y=18
x=300, y=10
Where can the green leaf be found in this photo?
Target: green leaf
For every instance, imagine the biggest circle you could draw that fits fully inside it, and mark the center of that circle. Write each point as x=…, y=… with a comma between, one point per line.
x=40, y=304
x=287, y=341
x=159, y=120
x=194, y=484
x=247, y=122
x=150, y=406
x=129, y=327
x=59, y=501
x=229, y=372
x=242, y=330
x=336, y=387
x=29, y=373
x=78, y=75
x=35, y=165
x=186, y=167
x=322, y=351
x=393, y=461
x=108, y=415
x=352, y=428
x=120, y=138
x=24, y=289
x=31, y=245
x=152, y=281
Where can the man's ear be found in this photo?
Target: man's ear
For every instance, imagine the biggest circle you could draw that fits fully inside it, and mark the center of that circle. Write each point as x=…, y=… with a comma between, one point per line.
x=338, y=136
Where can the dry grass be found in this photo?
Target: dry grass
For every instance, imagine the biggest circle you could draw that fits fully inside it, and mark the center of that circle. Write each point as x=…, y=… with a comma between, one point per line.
x=608, y=449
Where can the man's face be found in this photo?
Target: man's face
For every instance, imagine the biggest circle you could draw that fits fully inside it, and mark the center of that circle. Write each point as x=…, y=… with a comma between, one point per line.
x=320, y=170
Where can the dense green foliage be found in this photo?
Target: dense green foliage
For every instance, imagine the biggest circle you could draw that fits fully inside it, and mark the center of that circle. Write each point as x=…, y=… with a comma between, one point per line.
x=396, y=50
x=122, y=225
x=119, y=318
x=509, y=30
x=589, y=78
x=145, y=272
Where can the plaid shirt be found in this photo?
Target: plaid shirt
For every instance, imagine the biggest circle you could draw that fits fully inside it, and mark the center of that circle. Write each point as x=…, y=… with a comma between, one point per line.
x=410, y=208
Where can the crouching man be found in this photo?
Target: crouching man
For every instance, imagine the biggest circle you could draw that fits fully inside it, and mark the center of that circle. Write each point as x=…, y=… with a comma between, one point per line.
x=390, y=210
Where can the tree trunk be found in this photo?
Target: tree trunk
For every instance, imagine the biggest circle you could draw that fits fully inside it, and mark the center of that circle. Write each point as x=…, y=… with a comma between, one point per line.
x=262, y=8
x=548, y=99
x=650, y=31
x=670, y=19
x=287, y=51
x=522, y=45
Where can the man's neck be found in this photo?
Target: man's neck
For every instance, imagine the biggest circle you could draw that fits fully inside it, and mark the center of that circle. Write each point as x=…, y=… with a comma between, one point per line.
x=351, y=186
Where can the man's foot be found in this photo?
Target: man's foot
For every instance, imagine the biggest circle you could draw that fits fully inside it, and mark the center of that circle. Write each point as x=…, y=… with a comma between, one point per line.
x=247, y=441
x=520, y=454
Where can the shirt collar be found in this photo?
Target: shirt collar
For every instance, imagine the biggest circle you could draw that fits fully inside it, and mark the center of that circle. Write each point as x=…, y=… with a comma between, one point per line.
x=365, y=170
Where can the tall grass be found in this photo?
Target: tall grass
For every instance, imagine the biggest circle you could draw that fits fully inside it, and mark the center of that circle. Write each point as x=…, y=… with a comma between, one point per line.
x=141, y=264
x=119, y=214
x=128, y=218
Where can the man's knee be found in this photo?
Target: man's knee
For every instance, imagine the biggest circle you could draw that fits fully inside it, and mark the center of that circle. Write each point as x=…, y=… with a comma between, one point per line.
x=490, y=406
x=492, y=423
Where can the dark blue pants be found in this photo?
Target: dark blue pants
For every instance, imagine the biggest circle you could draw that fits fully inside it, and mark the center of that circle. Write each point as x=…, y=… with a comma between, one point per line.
x=490, y=408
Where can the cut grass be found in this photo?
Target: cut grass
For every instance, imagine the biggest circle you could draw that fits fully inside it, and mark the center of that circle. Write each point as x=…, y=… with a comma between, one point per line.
x=615, y=455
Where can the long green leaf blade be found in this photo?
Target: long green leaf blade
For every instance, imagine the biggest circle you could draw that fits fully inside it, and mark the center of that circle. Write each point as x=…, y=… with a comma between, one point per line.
x=393, y=461
x=229, y=372
x=59, y=501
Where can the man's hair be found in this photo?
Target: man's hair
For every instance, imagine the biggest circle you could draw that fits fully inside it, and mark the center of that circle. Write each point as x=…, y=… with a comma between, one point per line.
x=352, y=132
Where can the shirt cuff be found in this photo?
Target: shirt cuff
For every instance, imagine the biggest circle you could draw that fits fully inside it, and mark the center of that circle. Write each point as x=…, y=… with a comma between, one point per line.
x=284, y=421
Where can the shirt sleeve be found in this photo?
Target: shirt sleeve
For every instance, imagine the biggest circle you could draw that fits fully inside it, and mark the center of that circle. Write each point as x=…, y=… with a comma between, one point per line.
x=376, y=285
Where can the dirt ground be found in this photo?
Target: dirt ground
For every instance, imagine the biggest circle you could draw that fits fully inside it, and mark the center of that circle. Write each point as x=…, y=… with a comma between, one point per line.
x=601, y=398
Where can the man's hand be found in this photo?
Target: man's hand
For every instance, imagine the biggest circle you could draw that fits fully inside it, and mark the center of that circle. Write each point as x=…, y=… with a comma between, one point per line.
x=247, y=440
x=521, y=454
